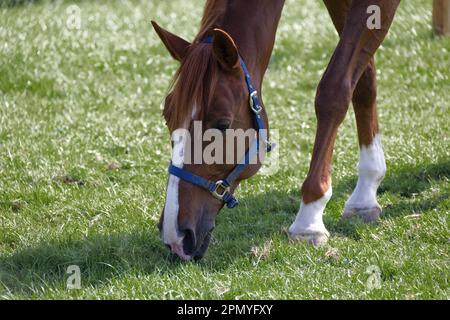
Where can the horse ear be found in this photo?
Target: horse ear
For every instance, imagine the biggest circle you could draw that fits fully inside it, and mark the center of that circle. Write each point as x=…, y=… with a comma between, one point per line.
x=176, y=46
x=225, y=50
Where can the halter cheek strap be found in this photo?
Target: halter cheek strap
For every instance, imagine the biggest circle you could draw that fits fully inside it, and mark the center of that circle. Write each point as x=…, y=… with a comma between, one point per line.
x=221, y=188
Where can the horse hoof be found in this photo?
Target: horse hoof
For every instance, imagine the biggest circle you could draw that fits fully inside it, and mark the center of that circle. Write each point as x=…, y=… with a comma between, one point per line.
x=316, y=239
x=368, y=215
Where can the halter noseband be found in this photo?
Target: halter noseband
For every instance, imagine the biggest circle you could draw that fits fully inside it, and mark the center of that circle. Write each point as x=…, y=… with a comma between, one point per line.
x=221, y=189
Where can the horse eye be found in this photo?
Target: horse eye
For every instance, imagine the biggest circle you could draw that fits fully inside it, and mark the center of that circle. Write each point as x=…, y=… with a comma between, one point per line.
x=222, y=125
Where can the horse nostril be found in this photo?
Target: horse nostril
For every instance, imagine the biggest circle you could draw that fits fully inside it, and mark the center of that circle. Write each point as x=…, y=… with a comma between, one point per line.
x=169, y=247
x=189, y=242
x=222, y=124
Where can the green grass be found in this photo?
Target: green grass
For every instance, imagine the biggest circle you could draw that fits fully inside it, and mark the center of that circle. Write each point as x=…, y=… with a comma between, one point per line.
x=84, y=150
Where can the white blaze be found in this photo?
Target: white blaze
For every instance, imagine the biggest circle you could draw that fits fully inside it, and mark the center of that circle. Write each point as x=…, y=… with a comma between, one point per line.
x=171, y=208
x=170, y=232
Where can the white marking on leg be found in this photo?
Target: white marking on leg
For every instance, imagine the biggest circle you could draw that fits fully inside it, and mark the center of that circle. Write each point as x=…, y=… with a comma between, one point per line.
x=371, y=170
x=309, y=220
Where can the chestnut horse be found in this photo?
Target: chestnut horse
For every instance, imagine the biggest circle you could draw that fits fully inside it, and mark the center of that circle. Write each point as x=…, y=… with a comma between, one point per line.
x=212, y=85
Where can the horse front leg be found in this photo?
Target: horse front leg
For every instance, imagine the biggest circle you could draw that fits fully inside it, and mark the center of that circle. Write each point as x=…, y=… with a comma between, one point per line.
x=372, y=166
x=352, y=56
x=332, y=100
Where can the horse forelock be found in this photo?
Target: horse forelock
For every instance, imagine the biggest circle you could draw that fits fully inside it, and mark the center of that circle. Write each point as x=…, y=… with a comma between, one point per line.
x=197, y=76
x=192, y=87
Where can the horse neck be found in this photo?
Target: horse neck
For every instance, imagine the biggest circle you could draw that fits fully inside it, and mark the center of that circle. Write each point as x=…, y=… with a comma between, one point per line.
x=253, y=27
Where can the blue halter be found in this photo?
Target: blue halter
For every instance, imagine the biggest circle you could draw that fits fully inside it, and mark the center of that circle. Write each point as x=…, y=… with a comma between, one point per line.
x=221, y=188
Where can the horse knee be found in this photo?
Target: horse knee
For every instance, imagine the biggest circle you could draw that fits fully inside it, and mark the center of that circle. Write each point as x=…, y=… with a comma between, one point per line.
x=332, y=100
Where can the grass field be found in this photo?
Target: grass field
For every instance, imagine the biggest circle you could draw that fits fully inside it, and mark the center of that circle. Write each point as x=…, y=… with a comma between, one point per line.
x=84, y=151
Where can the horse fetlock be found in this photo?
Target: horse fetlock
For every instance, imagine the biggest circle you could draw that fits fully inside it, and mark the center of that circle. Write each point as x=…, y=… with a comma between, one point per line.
x=371, y=169
x=308, y=225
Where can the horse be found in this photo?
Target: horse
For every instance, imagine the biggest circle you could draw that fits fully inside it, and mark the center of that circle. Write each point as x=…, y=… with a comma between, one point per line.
x=219, y=83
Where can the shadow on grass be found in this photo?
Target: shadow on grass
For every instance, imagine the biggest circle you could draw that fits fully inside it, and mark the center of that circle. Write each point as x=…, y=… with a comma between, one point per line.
x=103, y=258
x=406, y=182
x=100, y=258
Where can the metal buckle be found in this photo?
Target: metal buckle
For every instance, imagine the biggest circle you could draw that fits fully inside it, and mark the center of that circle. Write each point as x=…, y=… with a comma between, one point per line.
x=252, y=105
x=216, y=192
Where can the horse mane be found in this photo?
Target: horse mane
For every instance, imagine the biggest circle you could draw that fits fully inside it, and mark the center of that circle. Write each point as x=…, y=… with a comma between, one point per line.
x=198, y=73
x=212, y=16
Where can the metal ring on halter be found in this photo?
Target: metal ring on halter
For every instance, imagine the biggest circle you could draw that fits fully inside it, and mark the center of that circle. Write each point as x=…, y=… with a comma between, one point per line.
x=256, y=108
x=220, y=184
